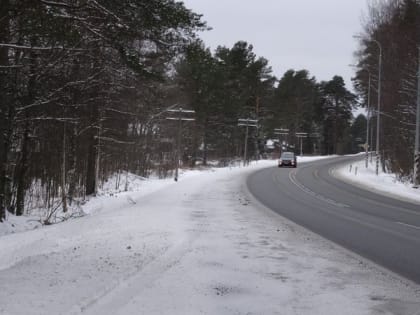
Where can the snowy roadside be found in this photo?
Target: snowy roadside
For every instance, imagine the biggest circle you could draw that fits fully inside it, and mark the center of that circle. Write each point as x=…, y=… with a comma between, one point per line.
x=201, y=245
x=383, y=183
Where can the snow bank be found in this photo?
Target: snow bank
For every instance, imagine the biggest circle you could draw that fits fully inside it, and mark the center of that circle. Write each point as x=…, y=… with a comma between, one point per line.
x=198, y=246
x=383, y=183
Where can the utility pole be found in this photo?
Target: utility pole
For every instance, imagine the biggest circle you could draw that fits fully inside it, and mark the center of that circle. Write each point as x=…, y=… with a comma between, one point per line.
x=281, y=132
x=180, y=112
x=416, y=174
x=317, y=136
x=247, y=123
x=256, y=146
x=379, y=105
x=301, y=135
x=367, y=124
x=366, y=145
x=378, y=113
x=371, y=143
x=148, y=125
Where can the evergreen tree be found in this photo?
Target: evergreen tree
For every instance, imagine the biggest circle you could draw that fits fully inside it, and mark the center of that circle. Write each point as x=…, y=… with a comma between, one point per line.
x=232, y=84
x=296, y=106
x=337, y=106
x=358, y=134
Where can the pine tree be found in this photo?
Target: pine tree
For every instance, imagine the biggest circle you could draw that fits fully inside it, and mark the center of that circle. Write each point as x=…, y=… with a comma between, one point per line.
x=338, y=103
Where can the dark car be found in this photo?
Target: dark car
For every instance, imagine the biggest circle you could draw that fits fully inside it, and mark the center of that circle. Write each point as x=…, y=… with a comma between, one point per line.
x=287, y=159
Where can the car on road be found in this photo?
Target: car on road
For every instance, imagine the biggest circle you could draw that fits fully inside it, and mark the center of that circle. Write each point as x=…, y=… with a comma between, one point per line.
x=287, y=159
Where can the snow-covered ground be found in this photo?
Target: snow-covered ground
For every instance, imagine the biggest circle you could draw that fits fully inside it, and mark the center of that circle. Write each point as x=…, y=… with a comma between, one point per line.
x=198, y=246
x=383, y=183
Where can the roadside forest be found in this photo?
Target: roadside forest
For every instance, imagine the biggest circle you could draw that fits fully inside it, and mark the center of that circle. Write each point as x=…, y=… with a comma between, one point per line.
x=389, y=54
x=92, y=89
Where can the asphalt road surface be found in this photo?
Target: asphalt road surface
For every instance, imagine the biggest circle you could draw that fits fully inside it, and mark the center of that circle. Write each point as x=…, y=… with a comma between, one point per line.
x=380, y=228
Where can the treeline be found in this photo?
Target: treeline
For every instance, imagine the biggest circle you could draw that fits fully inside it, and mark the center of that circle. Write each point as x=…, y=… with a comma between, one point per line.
x=79, y=79
x=391, y=35
x=86, y=87
x=234, y=84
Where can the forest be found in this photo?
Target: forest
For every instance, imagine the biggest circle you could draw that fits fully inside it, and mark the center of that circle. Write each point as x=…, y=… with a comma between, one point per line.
x=387, y=74
x=94, y=89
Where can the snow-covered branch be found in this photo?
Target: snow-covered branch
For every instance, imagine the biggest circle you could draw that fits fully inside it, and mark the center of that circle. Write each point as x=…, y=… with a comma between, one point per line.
x=22, y=47
x=119, y=111
x=61, y=4
x=13, y=66
x=61, y=119
x=102, y=138
x=102, y=8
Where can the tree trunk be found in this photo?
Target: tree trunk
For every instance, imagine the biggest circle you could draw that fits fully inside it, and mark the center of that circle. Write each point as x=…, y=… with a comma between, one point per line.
x=63, y=172
x=335, y=135
x=71, y=178
x=92, y=151
x=21, y=176
x=4, y=149
x=205, y=140
x=4, y=111
x=3, y=163
x=90, y=172
x=21, y=182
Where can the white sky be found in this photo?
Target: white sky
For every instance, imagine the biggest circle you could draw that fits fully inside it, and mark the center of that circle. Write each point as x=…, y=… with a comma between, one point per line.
x=291, y=34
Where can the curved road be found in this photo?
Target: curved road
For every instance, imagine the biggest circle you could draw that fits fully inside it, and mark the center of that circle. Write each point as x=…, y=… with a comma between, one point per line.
x=380, y=228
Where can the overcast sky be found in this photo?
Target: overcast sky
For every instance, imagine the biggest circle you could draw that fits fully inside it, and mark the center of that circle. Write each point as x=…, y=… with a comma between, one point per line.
x=291, y=34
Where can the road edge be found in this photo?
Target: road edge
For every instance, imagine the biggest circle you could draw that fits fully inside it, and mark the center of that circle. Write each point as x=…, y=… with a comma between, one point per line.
x=333, y=171
x=304, y=233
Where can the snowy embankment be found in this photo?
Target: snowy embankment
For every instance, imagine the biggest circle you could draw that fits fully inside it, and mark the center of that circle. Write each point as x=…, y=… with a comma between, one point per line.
x=198, y=246
x=383, y=183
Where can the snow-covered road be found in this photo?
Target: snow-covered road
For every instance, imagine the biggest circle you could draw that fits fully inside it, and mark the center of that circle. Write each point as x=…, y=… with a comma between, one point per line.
x=199, y=246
